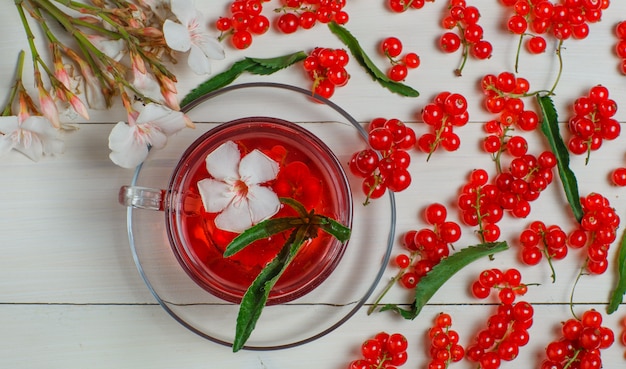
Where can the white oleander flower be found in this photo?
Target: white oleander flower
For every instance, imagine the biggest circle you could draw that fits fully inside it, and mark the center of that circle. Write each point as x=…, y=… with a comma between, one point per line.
x=131, y=142
x=34, y=137
x=188, y=36
x=236, y=189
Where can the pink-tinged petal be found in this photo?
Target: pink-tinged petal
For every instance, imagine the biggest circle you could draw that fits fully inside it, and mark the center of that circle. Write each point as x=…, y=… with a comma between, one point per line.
x=156, y=138
x=223, y=162
x=184, y=10
x=78, y=106
x=176, y=36
x=235, y=218
x=45, y=133
x=167, y=120
x=263, y=203
x=127, y=150
x=216, y=195
x=30, y=145
x=257, y=167
x=210, y=46
x=48, y=107
x=198, y=62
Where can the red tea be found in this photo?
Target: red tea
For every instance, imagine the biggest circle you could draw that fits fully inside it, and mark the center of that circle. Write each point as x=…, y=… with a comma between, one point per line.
x=308, y=172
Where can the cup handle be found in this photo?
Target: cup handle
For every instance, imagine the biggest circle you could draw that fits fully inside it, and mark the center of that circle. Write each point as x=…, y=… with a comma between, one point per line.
x=142, y=197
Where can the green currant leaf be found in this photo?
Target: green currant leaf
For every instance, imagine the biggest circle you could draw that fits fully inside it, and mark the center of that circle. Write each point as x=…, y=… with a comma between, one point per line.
x=259, y=231
x=251, y=65
x=620, y=287
x=359, y=54
x=256, y=296
x=550, y=129
x=443, y=271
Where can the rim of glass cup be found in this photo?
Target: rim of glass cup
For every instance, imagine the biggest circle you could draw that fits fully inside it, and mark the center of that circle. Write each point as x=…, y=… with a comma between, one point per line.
x=359, y=304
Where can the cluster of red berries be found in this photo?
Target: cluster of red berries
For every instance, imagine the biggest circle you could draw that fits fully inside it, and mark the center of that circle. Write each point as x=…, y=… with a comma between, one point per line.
x=479, y=205
x=539, y=240
x=470, y=33
x=384, y=351
x=400, y=6
x=391, y=47
x=563, y=20
x=446, y=111
x=593, y=121
x=444, y=343
x=245, y=20
x=385, y=164
x=326, y=67
x=620, y=47
x=581, y=343
x=503, y=97
x=597, y=231
x=427, y=246
x=507, y=329
x=306, y=13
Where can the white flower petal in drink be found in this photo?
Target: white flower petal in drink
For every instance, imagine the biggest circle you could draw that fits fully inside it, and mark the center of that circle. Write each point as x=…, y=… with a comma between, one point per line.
x=130, y=143
x=236, y=189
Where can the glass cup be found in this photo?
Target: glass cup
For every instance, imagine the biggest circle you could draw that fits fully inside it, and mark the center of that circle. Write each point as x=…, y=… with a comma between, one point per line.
x=312, y=175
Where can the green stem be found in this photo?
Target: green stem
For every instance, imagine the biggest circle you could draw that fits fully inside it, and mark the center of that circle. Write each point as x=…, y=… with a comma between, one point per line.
x=560, y=58
x=519, y=49
x=16, y=86
x=581, y=272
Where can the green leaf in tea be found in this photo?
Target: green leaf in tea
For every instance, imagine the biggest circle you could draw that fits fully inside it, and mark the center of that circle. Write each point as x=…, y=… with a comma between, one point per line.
x=442, y=272
x=304, y=227
x=620, y=287
x=550, y=129
x=361, y=57
x=259, y=66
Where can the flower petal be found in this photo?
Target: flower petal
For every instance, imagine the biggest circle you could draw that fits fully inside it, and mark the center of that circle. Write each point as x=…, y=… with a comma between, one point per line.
x=223, y=162
x=176, y=36
x=263, y=203
x=6, y=144
x=257, y=167
x=167, y=120
x=156, y=138
x=126, y=151
x=184, y=10
x=235, y=218
x=216, y=195
x=31, y=146
x=210, y=46
x=198, y=61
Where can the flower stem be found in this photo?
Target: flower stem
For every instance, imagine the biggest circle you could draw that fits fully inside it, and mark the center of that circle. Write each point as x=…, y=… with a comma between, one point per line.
x=16, y=86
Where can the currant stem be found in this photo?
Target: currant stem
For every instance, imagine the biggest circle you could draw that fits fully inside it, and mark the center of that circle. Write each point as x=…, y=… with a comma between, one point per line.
x=581, y=272
x=519, y=50
x=560, y=58
x=390, y=284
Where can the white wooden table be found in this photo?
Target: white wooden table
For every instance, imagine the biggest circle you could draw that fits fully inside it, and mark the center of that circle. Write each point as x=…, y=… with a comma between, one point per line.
x=71, y=296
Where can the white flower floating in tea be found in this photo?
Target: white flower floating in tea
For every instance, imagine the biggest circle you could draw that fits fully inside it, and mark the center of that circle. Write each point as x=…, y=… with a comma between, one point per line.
x=235, y=189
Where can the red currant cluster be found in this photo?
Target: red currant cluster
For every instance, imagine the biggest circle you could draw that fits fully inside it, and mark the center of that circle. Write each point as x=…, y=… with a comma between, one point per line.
x=392, y=48
x=581, y=343
x=538, y=240
x=592, y=121
x=385, y=164
x=444, y=343
x=470, y=33
x=384, y=351
x=427, y=246
x=563, y=20
x=306, y=13
x=506, y=330
x=400, y=6
x=446, y=111
x=327, y=69
x=597, y=231
x=479, y=205
x=245, y=20
x=620, y=47
x=503, y=94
